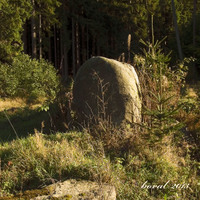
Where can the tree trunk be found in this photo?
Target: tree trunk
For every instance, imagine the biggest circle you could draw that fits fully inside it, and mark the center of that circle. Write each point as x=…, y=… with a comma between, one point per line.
x=55, y=47
x=194, y=22
x=73, y=49
x=40, y=35
x=93, y=45
x=77, y=47
x=98, y=49
x=64, y=54
x=64, y=40
x=58, y=47
x=65, y=62
x=33, y=32
x=194, y=73
x=64, y=58
x=24, y=38
x=88, y=50
x=83, y=44
x=50, y=48
x=176, y=30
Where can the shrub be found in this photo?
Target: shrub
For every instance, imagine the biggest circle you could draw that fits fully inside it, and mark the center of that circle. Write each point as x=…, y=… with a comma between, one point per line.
x=190, y=114
x=28, y=78
x=161, y=90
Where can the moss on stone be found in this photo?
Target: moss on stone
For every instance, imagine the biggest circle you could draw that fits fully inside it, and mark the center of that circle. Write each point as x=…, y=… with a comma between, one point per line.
x=29, y=194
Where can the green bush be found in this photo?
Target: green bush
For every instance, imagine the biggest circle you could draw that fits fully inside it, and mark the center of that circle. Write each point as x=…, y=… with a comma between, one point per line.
x=28, y=78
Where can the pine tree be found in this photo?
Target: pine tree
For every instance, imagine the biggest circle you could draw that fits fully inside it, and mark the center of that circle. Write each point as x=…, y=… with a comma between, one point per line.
x=13, y=15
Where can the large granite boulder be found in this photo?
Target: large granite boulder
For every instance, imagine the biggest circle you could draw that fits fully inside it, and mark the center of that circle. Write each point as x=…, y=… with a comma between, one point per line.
x=107, y=88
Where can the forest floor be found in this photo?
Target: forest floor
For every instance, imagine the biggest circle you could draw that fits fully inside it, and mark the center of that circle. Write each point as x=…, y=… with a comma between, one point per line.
x=31, y=158
x=19, y=119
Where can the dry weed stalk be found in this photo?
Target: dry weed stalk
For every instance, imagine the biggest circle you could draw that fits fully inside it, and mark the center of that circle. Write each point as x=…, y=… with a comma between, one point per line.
x=129, y=47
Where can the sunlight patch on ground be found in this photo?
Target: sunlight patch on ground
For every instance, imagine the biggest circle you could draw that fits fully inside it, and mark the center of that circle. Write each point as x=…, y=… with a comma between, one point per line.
x=7, y=104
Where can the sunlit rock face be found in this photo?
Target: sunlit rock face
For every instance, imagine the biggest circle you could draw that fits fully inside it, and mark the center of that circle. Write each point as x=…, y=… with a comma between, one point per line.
x=75, y=190
x=106, y=88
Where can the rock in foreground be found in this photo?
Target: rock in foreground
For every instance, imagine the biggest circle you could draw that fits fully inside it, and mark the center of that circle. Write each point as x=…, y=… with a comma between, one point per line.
x=79, y=190
x=109, y=89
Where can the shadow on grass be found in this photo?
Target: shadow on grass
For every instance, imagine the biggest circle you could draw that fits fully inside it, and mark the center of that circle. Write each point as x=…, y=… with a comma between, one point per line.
x=24, y=121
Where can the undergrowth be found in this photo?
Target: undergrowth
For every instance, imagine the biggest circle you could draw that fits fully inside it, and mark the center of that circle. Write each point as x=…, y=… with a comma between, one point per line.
x=162, y=149
x=40, y=160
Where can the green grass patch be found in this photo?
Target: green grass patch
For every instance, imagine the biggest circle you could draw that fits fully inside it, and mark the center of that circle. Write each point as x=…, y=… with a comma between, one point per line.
x=21, y=122
x=39, y=160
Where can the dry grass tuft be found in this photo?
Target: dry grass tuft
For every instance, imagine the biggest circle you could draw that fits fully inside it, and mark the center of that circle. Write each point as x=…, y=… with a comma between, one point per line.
x=13, y=104
x=6, y=104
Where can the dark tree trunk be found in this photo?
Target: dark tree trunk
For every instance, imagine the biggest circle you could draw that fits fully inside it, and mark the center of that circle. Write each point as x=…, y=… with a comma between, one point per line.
x=64, y=58
x=73, y=49
x=194, y=73
x=93, y=45
x=194, y=22
x=77, y=47
x=64, y=40
x=40, y=35
x=65, y=62
x=62, y=70
x=33, y=32
x=50, y=48
x=176, y=30
x=83, y=44
x=24, y=38
x=98, y=50
x=88, y=50
x=55, y=47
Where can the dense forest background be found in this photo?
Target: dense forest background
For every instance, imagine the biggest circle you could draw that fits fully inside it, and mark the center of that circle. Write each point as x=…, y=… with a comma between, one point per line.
x=68, y=32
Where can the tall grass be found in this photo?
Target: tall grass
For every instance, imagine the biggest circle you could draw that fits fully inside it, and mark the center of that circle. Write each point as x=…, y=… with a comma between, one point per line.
x=125, y=156
x=40, y=160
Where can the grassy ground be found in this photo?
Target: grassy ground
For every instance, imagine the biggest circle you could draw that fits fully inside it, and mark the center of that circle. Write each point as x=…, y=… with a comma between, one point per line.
x=120, y=156
x=17, y=119
x=42, y=159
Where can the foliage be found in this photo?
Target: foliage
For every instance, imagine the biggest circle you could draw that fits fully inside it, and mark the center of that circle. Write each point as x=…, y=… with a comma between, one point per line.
x=188, y=46
x=190, y=115
x=47, y=8
x=164, y=83
x=30, y=79
x=154, y=60
x=13, y=15
x=101, y=32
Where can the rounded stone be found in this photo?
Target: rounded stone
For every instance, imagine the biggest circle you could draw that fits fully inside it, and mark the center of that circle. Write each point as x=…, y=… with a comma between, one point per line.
x=107, y=89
